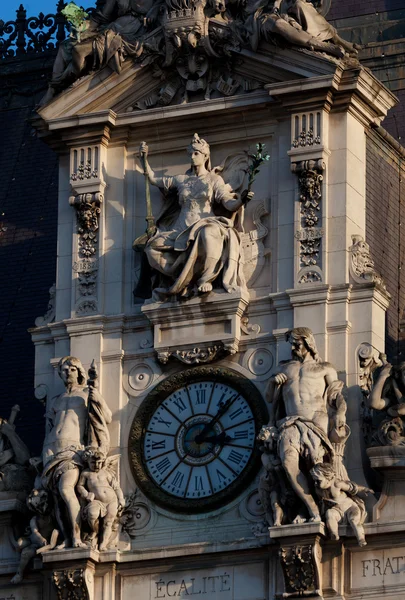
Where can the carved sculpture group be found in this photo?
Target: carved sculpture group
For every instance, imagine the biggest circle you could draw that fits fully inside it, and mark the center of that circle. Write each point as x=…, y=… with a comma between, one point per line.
x=76, y=500
x=304, y=477
x=191, y=45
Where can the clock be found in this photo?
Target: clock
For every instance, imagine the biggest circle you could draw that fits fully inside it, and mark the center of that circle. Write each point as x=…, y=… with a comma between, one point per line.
x=192, y=445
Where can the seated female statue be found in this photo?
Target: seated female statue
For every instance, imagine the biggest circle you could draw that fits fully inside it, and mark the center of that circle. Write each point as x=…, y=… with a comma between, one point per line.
x=199, y=242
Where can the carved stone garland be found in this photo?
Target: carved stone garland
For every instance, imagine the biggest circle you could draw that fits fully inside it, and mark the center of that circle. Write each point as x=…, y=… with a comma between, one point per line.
x=88, y=214
x=310, y=233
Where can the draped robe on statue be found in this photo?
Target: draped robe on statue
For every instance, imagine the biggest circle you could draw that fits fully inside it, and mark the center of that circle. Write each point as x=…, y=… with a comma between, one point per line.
x=175, y=250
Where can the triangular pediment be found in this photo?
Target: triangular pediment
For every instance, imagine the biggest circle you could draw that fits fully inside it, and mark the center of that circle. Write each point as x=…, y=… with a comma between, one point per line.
x=137, y=85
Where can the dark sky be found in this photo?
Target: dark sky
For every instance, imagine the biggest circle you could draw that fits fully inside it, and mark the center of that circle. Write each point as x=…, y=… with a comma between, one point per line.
x=33, y=7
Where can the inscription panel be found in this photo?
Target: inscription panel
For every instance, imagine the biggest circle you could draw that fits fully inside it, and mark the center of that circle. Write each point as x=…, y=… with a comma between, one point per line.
x=242, y=582
x=378, y=568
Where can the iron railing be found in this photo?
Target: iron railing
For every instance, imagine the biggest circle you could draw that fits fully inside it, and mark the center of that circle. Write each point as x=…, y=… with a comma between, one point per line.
x=35, y=35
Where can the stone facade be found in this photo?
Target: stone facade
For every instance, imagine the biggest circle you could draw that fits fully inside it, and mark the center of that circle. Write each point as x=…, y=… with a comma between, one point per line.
x=155, y=363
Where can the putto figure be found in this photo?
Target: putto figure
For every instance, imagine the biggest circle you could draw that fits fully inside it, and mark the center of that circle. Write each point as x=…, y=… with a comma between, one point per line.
x=196, y=239
x=340, y=502
x=42, y=533
x=74, y=417
x=307, y=411
x=99, y=487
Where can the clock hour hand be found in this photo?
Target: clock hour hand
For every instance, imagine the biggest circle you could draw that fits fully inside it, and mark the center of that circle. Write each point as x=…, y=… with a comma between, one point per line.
x=222, y=439
x=222, y=410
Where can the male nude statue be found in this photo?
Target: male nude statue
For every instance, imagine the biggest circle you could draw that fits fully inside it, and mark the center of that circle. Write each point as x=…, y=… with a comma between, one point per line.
x=305, y=388
x=66, y=437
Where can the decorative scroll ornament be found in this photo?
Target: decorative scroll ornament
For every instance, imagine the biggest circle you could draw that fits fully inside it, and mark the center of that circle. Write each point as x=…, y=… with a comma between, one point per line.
x=193, y=356
x=71, y=584
x=361, y=263
x=136, y=515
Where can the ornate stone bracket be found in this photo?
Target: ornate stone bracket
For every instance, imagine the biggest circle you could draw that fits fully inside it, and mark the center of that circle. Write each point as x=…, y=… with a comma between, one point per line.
x=193, y=356
x=310, y=233
x=71, y=584
x=362, y=268
x=300, y=556
x=86, y=179
x=214, y=325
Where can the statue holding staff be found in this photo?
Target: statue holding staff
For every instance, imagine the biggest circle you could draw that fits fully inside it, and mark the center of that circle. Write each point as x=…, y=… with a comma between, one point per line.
x=197, y=239
x=75, y=415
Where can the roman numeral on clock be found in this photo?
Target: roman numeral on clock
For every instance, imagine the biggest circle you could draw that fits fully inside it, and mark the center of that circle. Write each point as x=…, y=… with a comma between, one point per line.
x=235, y=414
x=178, y=479
x=198, y=483
x=163, y=422
x=180, y=404
x=200, y=396
x=163, y=465
x=221, y=476
x=241, y=435
x=235, y=457
x=159, y=445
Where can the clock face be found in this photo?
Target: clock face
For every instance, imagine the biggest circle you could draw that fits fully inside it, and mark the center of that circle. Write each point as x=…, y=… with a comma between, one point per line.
x=193, y=440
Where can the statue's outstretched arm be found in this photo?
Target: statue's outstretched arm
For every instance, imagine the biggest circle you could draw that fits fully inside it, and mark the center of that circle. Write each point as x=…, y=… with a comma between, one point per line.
x=375, y=399
x=143, y=151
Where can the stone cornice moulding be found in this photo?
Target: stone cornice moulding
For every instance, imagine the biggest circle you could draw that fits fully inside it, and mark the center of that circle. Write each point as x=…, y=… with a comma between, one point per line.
x=371, y=291
x=314, y=293
x=353, y=89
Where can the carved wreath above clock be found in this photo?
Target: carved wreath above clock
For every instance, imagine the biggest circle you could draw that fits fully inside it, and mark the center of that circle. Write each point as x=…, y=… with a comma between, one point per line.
x=192, y=446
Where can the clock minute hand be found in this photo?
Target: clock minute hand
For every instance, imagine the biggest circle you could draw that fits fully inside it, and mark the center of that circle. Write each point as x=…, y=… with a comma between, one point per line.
x=223, y=408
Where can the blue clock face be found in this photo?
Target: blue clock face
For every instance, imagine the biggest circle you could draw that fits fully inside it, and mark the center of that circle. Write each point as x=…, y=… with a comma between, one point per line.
x=198, y=442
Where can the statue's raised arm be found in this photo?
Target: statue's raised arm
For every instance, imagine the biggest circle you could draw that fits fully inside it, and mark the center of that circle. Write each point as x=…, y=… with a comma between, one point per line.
x=196, y=242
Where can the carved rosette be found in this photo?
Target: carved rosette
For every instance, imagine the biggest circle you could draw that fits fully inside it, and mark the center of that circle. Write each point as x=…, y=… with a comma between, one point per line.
x=310, y=233
x=71, y=583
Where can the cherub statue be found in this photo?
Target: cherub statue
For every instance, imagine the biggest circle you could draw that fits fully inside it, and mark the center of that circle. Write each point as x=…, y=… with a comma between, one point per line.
x=197, y=238
x=276, y=495
x=42, y=535
x=340, y=501
x=99, y=486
